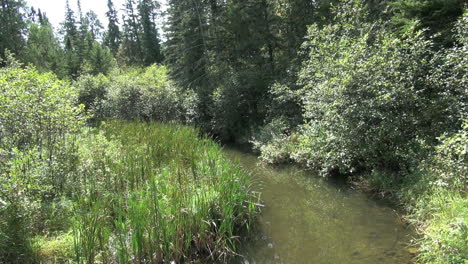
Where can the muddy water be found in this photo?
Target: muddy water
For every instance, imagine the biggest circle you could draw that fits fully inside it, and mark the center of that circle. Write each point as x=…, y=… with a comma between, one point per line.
x=307, y=219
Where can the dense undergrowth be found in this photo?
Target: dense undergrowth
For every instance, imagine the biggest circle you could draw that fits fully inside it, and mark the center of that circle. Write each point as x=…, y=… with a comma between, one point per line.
x=387, y=111
x=136, y=93
x=378, y=97
x=130, y=192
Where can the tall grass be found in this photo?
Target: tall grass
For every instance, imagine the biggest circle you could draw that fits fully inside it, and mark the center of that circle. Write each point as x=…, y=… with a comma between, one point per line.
x=156, y=193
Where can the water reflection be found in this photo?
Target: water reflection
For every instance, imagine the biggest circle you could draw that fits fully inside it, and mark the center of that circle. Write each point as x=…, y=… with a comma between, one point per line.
x=307, y=219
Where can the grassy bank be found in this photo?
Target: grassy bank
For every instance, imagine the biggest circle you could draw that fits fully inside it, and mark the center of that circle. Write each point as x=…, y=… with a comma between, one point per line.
x=435, y=196
x=149, y=193
x=157, y=193
x=126, y=192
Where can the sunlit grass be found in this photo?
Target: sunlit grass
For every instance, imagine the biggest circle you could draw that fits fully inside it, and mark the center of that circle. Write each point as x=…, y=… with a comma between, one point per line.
x=157, y=193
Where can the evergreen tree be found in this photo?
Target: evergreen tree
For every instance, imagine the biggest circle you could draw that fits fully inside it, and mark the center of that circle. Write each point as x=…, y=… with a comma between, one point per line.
x=112, y=38
x=12, y=27
x=94, y=25
x=84, y=41
x=131, y=51
x=71, y=39
x=150, y=39
x=69, y=28
x=43, y=49
x=187, y=47
x=100, y=60
x=90, y=32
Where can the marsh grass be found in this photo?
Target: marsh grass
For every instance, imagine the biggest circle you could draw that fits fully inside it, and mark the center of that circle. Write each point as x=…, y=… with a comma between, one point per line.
x=153, y=193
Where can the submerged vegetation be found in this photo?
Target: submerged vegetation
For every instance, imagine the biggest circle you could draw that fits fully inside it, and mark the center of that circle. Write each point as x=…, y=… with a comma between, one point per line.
x=372, y=91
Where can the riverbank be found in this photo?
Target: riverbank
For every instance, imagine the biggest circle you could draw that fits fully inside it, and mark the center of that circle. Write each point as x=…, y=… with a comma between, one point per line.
x=432, y=193
x=127, y=192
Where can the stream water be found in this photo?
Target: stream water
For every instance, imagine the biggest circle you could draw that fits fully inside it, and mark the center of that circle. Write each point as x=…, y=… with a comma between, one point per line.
x=308, y=219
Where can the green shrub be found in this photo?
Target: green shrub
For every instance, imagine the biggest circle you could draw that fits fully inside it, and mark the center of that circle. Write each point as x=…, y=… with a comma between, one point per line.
x=21, y=191
x=438, y=202
x=273, y=142
x=38, y=120
x=364, y=95
x=136, y=94
x=371, y=100
x=92, y=92
x=56, y=249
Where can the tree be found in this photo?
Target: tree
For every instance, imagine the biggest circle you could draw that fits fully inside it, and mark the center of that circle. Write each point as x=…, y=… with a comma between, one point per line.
x=438, y=16
x=71, y=39
x=150, y=39
x=112, y=37
x=186, y=47
x=12, y=27
x=100, y=60
x=43, y=49
x=377, y=115
x=90, y=33
x=131, y=49
x=69, y=28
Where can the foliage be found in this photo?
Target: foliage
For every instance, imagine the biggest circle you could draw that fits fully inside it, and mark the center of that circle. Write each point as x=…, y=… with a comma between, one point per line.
x=12, y=27
x=136, y=94
x=140, y=38
x=185, y=49
x=437, y=199
x=369, y=116
x=438, y=16
x=57, y=249
x=38, y=117
x=158, y=193
x=21, y=190
x=99, y=61
x=273, y=143
x=43, y=49
x=36, y=110
x=112, y=37
x=150, y=37
x=378, y=116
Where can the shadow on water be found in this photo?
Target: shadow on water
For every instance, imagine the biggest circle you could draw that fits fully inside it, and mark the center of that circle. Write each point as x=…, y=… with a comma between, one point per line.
x=308, y=219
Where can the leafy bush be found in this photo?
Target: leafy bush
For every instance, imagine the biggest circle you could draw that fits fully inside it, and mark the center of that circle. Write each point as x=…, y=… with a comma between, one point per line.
x=21, y=189
x=364, y=95
x=437, y=199
x=38, y=119
x=273, y=142
x=370, y=100
x=136, y=94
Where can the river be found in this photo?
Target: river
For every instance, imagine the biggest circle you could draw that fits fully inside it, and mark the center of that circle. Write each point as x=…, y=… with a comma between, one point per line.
x=309, y=219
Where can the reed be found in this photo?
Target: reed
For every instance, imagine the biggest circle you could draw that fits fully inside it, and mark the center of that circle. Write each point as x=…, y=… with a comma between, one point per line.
x=154, y=193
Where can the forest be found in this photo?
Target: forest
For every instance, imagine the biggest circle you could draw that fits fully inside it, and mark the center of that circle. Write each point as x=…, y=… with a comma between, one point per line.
x=112, y=134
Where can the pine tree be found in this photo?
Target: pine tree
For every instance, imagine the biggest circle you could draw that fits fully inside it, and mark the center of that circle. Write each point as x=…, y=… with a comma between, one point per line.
x=150, y=39
x=187, y=48
x=113, y=37
x=131, y=52
x=438, y=16
x=71, y=40
x=12, y=27
x=69, y=28
x=94, y=26
x=43, y=49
